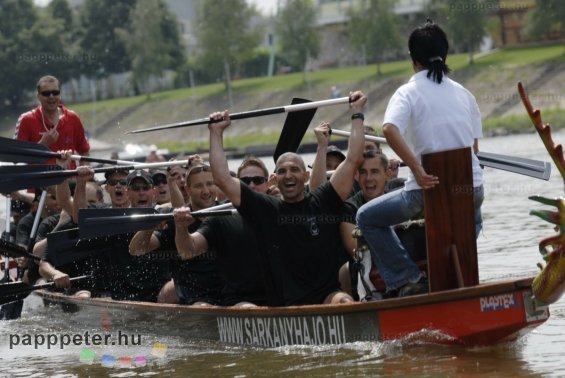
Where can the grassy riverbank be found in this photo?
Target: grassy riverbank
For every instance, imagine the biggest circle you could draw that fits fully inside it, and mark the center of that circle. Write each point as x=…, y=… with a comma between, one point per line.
x=492, y=79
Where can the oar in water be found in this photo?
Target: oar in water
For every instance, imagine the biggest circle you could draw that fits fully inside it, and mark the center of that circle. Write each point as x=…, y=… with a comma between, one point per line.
x=528, y=167
x=250, y=114
x=294, y=128
x=14, y=291
x=98, y=222
x=15, y=177
x=18, y=151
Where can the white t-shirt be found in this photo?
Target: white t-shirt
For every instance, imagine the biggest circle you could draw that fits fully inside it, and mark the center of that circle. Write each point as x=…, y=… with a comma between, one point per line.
x=435, y=117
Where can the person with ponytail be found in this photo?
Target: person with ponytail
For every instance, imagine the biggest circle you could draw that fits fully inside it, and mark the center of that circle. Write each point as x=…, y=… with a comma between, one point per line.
x=430, y=113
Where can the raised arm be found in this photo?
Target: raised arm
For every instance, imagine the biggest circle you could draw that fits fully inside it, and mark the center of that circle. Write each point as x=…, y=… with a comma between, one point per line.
x=218, y=162
x=318, y=175
x=188, y=245
x=342, y=179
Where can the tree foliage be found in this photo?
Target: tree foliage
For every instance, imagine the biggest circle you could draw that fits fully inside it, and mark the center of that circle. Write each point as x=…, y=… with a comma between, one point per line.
x=99, y=21
x=298, y=37
x=225, y=36
x=547, y=16
x=464, y=21
x=152, y=45
x=373, y=30
x=31, y=46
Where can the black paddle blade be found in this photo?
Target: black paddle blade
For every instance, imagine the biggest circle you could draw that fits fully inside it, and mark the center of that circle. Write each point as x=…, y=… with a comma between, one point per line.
x=14, y=291
x=14, y=250
x=15, y=177
x=19, y=151
x=294, y=128
x=95, y=223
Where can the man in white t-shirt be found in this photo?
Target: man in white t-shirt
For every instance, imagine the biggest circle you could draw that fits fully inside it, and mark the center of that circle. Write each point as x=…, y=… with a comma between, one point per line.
x=430, y=113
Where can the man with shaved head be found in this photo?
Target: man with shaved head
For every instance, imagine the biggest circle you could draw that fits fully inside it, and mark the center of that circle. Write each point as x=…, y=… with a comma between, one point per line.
x=299, y=232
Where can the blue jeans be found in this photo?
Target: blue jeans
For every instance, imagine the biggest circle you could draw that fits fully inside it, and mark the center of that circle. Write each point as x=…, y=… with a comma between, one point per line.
x=376, y=218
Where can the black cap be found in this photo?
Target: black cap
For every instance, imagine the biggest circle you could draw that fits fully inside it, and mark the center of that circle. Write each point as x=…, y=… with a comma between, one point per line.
x=118, y=169
x=333, y=150
x=158, y=172
x=139, y=173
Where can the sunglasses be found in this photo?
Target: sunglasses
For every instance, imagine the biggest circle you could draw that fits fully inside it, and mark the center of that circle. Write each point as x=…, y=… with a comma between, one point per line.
x=198, y=169
x=159, y=180
x=140, y=187
x=114, y=182
x=257, y=180
x=49, y=93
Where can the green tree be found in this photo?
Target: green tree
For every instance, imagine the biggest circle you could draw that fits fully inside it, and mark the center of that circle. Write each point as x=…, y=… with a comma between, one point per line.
x=31, y=45
x=373, y=30
x=225, y=37
x=99, y=21
x=547, y=16
x=151, y=45
x=298, y=37
x=464, y=21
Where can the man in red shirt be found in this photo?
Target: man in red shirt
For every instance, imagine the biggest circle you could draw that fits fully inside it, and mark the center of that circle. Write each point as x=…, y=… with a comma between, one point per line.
x=52, y=124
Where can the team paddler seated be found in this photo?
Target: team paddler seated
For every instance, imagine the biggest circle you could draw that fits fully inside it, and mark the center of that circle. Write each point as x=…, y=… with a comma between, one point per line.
x=115, y=272
x=196, y=281
x=233, y=242
x=299, y=233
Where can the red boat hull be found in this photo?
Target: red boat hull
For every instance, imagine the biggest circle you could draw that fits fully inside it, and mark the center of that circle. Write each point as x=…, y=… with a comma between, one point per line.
x=485, y=314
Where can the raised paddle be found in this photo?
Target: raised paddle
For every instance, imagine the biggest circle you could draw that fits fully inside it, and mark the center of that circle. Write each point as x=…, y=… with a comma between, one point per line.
x=96, y=223
x=528, y=167
x=14, y=291
x=250, y=114
x=15, y=177
x=294, y=128
x=18, y=151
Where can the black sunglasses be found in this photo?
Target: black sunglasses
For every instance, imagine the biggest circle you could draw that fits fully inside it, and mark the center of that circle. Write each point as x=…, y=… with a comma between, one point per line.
x=113, y=182
x=49, y=93
x=257, y=180
x=140, y=187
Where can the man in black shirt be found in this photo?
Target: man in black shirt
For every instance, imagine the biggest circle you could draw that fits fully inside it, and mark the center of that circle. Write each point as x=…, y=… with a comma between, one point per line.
x=299, y=232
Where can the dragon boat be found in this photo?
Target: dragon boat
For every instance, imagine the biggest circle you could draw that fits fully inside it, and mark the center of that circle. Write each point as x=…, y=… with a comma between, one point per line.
x=458, y=309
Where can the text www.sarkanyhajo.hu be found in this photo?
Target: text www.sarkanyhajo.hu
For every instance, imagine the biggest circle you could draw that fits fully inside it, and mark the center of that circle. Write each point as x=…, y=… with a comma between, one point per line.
x=62, y=340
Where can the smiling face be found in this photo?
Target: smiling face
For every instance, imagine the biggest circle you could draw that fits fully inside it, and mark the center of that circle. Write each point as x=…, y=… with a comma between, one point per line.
x=372, y=176
x=291, y=177
x=202, y=190
x=48, y=103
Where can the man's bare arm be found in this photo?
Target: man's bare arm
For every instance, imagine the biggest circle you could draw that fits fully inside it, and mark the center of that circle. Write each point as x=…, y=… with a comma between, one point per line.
x=218, y=161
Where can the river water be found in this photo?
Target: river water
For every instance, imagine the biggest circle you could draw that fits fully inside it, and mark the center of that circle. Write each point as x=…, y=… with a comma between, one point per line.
x=507, y=248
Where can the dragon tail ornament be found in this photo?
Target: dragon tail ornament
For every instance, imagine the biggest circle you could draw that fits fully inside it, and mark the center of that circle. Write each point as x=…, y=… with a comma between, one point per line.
x=549, y=285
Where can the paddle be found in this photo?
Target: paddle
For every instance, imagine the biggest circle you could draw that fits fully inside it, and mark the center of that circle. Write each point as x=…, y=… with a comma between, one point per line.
x=14, y=250
x=96, y=222
x=528, y=167
x=14, y=291
x=19, y=151
x=250, y=114
x=17, y=177
x=294, y=128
